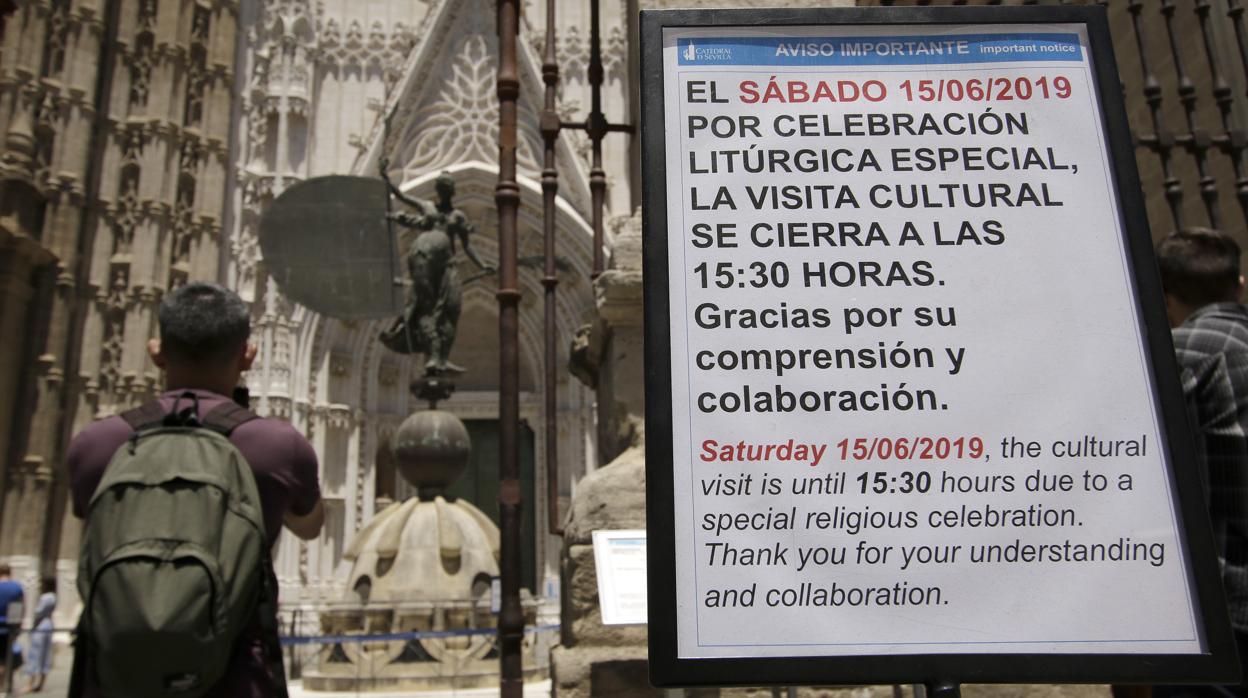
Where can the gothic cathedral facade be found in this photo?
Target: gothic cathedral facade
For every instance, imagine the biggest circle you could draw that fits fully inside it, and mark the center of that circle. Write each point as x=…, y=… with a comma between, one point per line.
x=142, y=141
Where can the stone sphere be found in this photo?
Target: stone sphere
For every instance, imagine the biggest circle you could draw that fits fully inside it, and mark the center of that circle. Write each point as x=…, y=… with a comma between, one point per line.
x=431, y=448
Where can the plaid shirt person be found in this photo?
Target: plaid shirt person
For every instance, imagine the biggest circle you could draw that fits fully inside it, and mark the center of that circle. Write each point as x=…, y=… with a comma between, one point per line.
x=1212, y=349
x=1202, y=283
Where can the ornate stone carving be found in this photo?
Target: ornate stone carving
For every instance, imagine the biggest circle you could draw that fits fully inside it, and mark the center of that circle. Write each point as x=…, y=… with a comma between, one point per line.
x=382, y=47
x=339, y=365
x=182, y=231
x=141, y=60
x=57, y=38
x=197, y=74
x=388, y=374
x=113, y=310
x=460, y=121
x=127, y=212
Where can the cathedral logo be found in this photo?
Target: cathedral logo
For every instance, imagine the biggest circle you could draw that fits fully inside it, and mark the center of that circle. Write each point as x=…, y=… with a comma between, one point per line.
x=703, y=54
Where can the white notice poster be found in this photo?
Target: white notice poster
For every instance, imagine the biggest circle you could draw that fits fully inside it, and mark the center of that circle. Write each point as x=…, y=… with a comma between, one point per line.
x=911, y=413
x=620, y=562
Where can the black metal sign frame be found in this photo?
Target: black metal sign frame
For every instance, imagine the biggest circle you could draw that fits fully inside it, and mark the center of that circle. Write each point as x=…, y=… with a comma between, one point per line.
x=1218, y=664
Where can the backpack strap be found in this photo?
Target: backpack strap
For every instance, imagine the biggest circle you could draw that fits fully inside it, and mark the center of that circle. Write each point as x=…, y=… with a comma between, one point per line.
x=78, y=672
x=224, y=419
x=145, y=416
x=227, y=417
x=267, y=608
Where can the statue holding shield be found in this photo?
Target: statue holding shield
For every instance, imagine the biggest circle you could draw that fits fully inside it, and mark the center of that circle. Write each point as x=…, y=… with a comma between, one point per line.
x=430, y=317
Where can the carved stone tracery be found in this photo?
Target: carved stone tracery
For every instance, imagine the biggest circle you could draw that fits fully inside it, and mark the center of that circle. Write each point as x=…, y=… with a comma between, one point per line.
x=459, y=121
x=349, y=49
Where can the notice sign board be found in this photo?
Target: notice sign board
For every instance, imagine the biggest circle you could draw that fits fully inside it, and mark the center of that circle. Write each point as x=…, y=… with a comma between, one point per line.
x=910, y=389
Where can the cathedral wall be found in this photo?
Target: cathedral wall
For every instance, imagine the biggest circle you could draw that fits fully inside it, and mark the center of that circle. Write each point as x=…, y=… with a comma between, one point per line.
x=107, y=201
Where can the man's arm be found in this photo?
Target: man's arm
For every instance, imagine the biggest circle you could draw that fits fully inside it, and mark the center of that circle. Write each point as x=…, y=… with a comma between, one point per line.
x=306, y=512
x=309, y=526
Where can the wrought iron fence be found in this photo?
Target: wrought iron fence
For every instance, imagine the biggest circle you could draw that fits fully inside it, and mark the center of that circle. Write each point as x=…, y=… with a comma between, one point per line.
x=1184, y=71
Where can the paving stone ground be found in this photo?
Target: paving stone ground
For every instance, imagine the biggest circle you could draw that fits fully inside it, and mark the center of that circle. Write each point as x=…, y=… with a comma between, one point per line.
x=58, y=685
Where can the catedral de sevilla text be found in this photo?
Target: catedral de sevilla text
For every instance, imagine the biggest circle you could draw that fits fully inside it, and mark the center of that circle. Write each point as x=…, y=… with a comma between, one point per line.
x=907, y=397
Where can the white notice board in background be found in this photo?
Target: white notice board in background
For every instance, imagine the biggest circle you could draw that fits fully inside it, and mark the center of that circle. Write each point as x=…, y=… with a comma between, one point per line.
x=620, y=560
x=908, y=389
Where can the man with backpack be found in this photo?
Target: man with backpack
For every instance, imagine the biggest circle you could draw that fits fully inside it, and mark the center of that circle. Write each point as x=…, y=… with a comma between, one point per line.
x=183, y=499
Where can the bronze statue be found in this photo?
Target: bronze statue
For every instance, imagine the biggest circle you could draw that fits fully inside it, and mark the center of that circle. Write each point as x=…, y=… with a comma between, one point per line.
x=432, y=312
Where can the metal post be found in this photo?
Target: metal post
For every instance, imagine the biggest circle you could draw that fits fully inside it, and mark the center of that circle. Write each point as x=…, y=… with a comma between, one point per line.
x=1236, y=14
x=507, y=197
x=1161, y=140
x=10, y=639
x=596, y=126
x=1197, y=146
x=943, y=689
x=1224, y=97
x=550, y=187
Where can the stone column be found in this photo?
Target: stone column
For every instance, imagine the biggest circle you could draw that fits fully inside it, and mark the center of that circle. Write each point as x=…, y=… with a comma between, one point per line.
x=17, y=288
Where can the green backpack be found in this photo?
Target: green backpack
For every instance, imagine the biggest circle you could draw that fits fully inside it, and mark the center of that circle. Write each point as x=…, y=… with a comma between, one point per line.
x=174, y=562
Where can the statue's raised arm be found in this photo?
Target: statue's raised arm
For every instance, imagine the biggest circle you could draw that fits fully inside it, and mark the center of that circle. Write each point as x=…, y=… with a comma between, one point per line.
x=423, y=207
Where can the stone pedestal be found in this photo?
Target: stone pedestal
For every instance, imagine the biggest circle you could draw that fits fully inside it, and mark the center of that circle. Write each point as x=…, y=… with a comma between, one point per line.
x=425, y=566
x=596, y=659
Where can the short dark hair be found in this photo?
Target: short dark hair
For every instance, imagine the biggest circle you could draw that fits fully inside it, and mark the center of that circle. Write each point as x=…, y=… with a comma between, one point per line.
x=203, y=323
x=47, y=584
x=1199, y=266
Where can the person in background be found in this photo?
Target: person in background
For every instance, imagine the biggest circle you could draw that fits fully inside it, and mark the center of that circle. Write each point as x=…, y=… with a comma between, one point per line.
x=38, y=660
x=1200, y=275
x=12, y=598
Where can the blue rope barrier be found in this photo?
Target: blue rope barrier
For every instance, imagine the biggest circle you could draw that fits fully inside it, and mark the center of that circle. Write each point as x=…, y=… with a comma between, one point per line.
x=392, y=637
x=382, y=637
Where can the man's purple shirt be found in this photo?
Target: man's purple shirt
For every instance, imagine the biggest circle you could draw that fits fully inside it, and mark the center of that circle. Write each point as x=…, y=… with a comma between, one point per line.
x=285, y=468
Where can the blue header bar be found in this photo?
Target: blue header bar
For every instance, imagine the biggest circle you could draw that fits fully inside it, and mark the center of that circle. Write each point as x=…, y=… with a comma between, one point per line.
x=879, y=50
